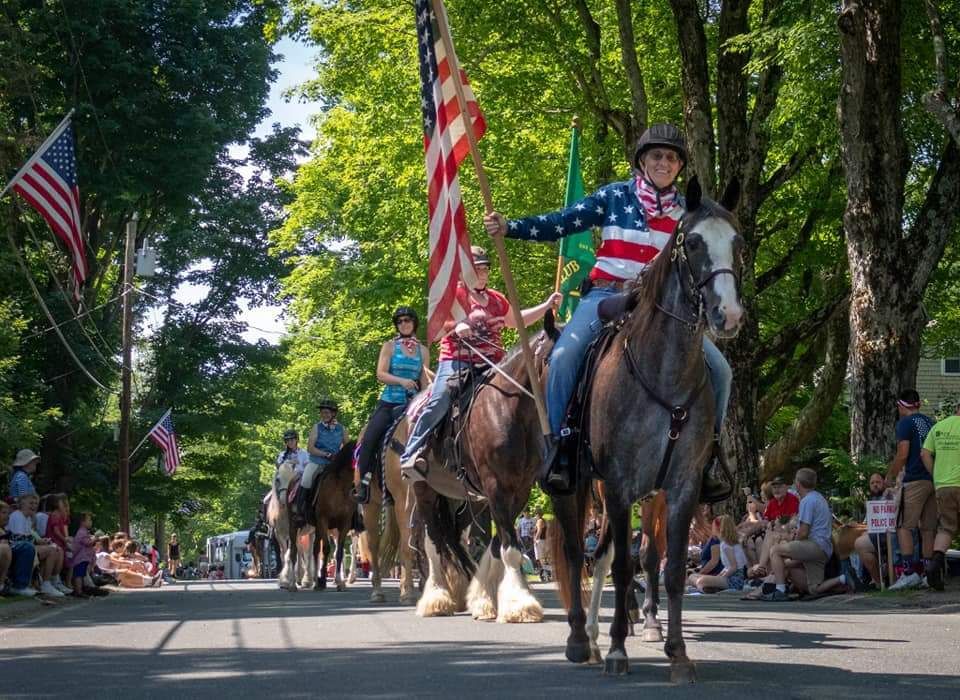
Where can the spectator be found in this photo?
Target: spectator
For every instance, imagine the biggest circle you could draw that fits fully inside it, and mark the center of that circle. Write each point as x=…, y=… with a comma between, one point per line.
x=803, y=559
x=918, y=503
x=711, y=563
x=941, y=457
x=83, y=554
x=58, y=522
x=539, y=539
x=732, y=558
x=16, y=559
x=751, y=529
x=6, y=553
x=49, y=555
x=173, y=551
x=866, y=544
x=24, y=467
x=783, y=504
x=525, y=530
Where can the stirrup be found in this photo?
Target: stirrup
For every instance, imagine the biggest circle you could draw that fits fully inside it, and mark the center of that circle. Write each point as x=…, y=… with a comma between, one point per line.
x=361, y=493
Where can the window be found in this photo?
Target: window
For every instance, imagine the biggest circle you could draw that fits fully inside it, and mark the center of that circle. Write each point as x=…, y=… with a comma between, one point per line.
x=951, y=366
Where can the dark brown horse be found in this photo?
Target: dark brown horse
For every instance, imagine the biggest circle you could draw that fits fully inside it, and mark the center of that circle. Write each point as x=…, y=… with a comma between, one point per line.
x=651, y=421
x=334, y=512
x=500, y=457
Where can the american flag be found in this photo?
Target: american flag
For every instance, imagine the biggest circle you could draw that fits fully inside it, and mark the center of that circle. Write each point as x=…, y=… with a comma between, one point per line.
x=446, y=145
x=165, y=438
x=48, y=182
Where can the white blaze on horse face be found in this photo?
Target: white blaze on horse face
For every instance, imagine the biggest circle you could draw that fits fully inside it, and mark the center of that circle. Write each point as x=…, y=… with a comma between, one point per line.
x=719, y=236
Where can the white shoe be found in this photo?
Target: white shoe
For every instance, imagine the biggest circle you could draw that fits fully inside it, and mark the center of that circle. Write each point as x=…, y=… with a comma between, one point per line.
x=63, y=588
x=924, y=586
x=27, y=592
x=47, y=588
x=906, y=582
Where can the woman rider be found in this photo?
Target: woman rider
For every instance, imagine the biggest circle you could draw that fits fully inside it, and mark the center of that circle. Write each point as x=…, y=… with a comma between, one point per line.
x=636, y=219
x=402, y=367
x=488, y=311
x=326, y=438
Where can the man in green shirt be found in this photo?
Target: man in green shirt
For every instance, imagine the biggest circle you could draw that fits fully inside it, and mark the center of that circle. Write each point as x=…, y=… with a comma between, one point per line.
x=941, y=457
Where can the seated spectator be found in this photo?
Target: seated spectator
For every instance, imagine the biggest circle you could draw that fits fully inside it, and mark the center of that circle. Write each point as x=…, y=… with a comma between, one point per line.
x=941, y=457
x=6, y=552
x=802, y=561
x=24, y=467
x=50, y=556
x=752, y=529
x=732, y=558
x=16, y=559
x=710, y=560
x=104, y=566
x=83, y=554
x=131, y=571
x=783, y=504
x=866, y=544
x=58, y=524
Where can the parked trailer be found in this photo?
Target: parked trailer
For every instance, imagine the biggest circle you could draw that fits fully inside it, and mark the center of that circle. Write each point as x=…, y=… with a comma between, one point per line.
x=229, y=549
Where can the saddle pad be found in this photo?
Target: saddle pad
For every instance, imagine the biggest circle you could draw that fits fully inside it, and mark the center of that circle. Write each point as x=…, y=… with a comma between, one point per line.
x=415, y=407
x=293, y=489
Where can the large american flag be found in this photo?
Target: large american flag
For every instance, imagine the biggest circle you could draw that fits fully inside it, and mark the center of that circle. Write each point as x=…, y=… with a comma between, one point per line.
x=446, y=145
x=165, y=438
x=48, y=182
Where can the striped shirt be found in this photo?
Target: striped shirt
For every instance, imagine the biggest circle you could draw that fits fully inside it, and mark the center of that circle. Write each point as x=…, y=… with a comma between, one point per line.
x=20, y=484
x=630, y=239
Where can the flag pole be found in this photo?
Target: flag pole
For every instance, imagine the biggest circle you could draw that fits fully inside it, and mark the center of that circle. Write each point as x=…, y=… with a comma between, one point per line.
x=575, y=125
x=440, y=11
x=33, y=159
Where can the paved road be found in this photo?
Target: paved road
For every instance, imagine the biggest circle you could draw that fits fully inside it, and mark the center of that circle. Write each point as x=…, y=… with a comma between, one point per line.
x=240, y=639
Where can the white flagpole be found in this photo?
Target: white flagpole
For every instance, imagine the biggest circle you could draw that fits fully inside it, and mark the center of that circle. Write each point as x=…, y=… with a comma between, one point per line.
x=33, y=159
x=162, y=418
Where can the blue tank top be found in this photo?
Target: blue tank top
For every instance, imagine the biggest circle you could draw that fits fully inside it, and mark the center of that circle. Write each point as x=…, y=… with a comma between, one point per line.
x=329, y=438
x=401, y=365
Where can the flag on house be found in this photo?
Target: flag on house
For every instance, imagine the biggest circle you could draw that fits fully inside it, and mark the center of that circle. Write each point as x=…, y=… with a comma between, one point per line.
x=445, y=144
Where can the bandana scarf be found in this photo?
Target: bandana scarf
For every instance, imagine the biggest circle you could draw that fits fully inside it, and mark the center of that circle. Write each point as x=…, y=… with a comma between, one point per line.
x=656, y=203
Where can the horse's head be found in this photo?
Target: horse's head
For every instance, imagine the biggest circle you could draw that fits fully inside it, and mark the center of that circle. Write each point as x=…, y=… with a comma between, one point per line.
x=282, y=478
x=708, y=240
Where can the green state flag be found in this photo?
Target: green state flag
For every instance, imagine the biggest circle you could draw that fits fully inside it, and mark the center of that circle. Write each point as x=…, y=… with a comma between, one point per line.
x=576, y=250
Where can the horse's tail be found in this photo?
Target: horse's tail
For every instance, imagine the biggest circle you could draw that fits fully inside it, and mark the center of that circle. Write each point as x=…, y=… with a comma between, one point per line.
x=571, y=513
x=390, y=540
x=444, y=530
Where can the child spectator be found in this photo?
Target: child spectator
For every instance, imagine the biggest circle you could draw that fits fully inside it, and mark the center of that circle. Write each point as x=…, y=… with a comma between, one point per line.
x=50, y=556
x=58, y=522
x=732, y=558
x=752, y=529
x=24, y=466
x=83, y=555
x=710, y=560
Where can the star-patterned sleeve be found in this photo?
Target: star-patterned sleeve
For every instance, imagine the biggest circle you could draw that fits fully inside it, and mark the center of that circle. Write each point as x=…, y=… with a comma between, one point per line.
x=587, y=213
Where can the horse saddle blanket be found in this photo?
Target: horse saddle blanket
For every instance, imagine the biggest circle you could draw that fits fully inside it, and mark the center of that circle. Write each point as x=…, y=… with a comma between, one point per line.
x=293, y=489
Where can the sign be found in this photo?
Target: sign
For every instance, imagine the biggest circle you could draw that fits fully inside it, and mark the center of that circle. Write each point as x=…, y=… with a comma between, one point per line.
x=881, y=516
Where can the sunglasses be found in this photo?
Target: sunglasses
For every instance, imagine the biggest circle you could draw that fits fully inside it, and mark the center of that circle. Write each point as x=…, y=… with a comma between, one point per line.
x=668, y=156
x=405, y=319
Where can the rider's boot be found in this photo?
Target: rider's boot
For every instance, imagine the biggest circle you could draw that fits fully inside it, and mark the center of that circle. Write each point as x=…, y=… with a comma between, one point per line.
x=301, y=506
x=361, y=494
x=555, y=473
x=715, y=488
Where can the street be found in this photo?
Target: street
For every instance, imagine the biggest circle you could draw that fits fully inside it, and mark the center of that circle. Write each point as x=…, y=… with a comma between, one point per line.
x=204, y=639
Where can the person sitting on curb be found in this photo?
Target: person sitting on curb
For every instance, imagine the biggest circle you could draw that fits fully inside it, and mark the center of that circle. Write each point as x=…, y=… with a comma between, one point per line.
x=866, y=544
x=941, y=457
x=803, y=559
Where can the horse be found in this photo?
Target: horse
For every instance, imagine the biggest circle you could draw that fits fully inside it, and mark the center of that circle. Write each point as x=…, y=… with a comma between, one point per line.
x=651, y=422
x=334, y=510
x=500, y=460
x=281, y=522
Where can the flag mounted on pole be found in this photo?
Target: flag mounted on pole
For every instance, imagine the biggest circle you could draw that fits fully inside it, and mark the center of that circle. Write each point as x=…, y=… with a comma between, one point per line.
x=577, y=255
x=446, y=144
x=164, y=437
x=48, y=181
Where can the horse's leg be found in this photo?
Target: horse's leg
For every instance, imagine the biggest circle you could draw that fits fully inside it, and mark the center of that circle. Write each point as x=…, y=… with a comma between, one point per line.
x=679, y=514
x=341, y=538
x=569, y=515
x=307, y=562
x=371, y=516
x=601, y=569
x=652, y=631
x=322, y=537
x=482, y=594
x=515, y=602
x=354, y=557
x=290, y=558
x=408, y=592
x=436, y=600
x=616, y=662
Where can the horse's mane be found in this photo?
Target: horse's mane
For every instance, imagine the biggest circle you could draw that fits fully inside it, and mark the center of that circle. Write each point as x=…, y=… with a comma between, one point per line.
x=343, y=460
x=512, y=362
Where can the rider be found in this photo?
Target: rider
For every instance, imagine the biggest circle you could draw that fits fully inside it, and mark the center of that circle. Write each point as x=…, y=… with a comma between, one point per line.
x=488, y=311
x=293, y=452
x=402, y=366
x=636, y=219
x=326, y=439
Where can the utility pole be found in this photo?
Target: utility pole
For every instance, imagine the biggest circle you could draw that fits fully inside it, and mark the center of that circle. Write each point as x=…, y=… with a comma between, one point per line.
x=126, y=373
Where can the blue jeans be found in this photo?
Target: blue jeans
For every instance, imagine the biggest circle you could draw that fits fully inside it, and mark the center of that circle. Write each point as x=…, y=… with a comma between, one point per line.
x=568, y=355
x=21, y=567
x=435, y=410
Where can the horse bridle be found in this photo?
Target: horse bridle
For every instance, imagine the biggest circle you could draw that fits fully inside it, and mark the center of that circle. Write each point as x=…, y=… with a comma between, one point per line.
x=679, y=255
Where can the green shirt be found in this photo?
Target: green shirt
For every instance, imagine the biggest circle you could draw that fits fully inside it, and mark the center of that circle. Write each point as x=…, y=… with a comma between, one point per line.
x=943, y=441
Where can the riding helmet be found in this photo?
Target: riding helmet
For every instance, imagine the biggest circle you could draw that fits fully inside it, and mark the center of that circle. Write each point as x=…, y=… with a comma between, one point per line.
x=661, y=136
x=291, y=435
x=328, y=403
x=405, y=311
x=480, y=256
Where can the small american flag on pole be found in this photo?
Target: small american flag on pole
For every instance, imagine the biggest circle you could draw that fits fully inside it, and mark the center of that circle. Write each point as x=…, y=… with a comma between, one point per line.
x=48, y=181
x=446, y=145
x=165, y=438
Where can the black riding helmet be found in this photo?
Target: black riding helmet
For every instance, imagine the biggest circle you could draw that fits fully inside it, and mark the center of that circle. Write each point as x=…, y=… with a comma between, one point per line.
x=291, y=435
x=661, y=136
x=405, y=311
x=328, y=403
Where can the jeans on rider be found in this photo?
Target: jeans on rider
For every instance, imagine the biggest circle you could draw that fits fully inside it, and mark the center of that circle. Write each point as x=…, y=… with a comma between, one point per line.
x=435, y=409
x=571, y=348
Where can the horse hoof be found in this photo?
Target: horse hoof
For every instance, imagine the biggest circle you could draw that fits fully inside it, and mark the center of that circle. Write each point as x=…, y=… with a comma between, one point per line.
x=616, y=664
x=683, y=673
x=527, y=611
x=437, y=603
x=482, y=608
x=409, y=599
x=634, y=616
x=352, y=579
x=341, y=587
x=320, y=586
x=579, y=652
x=652, y=634
x=378, y=597
x=596, y=658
